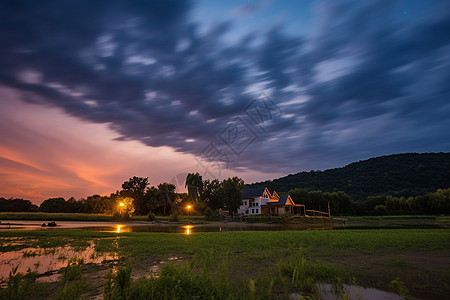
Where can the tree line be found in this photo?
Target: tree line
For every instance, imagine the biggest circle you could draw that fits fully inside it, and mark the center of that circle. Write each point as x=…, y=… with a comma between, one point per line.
x=204, y=196
x=437, y=202
x=209, y=196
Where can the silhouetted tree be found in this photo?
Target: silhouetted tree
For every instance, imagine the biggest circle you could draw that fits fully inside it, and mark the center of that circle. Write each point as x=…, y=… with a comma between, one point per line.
x=54, y=205
x=167, y=195
x=97, y=204
x=231, y=193
x=136, y=188
x=211, y=194
x=16, y=205
x=194, y=185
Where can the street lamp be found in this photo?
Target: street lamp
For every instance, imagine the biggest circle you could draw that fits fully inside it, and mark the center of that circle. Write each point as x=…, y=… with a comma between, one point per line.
x=189, y=210
x=121, y=207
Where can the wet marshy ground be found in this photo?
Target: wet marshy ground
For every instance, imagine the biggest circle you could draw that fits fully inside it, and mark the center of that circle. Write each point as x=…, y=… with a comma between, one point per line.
x=375, y=257
x=46, y=261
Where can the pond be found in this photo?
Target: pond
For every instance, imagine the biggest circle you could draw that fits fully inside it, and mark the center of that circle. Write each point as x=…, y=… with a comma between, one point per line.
x=121, y=227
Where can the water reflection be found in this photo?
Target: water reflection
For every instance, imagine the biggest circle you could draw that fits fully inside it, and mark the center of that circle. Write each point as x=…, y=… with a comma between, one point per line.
x=327, y=292
x=188, y=229
x=198, y=228
x=122, y=227
x=49, y=260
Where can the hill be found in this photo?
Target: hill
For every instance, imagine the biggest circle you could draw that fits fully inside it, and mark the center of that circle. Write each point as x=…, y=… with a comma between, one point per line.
x=409, y=174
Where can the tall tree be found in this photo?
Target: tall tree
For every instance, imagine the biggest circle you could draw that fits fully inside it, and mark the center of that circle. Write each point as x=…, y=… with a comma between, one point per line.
x=97, y=204
x=211, y=194
x=231, y=192
x=136, y=188
x=194, y=185
x=167, y=195
x=53, y=205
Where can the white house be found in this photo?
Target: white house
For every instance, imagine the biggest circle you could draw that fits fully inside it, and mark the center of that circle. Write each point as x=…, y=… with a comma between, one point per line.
x=257, y=201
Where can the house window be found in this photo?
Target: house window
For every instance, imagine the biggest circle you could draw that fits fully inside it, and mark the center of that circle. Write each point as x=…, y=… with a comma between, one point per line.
x=253, y=211
x=256, y=210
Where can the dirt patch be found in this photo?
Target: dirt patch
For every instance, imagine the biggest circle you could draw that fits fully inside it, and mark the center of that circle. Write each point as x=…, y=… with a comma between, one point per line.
x=151, y=266
x=418, y=259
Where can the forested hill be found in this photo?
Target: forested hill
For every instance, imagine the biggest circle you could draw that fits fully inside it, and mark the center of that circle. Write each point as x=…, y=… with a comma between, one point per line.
x=406, y=175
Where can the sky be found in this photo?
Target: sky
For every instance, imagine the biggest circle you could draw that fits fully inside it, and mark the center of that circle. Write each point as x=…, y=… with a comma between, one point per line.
x=95, y=92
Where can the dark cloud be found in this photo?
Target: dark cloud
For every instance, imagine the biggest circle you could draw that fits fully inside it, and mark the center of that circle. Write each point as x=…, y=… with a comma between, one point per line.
x=251, y=8
x=144, y=68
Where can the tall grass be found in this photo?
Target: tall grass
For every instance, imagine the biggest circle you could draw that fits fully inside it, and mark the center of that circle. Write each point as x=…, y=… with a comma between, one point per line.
x=22, y=286
x=174, y=282
x=205, y=279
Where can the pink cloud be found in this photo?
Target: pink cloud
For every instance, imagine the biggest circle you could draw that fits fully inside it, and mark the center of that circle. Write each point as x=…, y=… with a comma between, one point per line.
x=45, y=153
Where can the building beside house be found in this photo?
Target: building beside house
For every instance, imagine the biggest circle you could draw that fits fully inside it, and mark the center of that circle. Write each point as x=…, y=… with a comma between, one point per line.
x=259, y=201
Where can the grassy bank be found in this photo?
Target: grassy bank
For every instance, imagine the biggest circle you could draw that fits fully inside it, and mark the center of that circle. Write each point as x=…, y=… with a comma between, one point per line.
x=269, y=264
x=410, y=221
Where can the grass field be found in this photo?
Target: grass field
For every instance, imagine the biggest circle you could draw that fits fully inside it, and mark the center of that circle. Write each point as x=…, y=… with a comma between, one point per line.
x=398, y=221
x=258, y=265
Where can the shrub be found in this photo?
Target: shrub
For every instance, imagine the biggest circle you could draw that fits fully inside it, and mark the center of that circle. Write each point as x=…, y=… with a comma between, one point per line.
x=212, y=215
x=174, y=217
x=399, y=288
x=72, y=271
x=286, y=219
x=151, y=216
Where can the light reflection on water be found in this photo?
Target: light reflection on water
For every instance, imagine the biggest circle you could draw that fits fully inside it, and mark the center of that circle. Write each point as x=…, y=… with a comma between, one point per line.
x=198, y=228
x=121, y=227
x=48, y=260
x=189, y=229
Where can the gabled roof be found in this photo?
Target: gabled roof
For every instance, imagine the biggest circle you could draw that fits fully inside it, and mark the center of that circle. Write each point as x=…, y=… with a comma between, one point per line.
x=253, y=192
x=284, y=200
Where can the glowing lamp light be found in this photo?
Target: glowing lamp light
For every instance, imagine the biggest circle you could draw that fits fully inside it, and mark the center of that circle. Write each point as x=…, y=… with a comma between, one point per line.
x=121, y=204
x=118, y=228
x=189, y=207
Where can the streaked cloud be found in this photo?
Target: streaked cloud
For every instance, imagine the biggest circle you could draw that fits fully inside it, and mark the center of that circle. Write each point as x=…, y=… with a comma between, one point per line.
x=366, y=80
